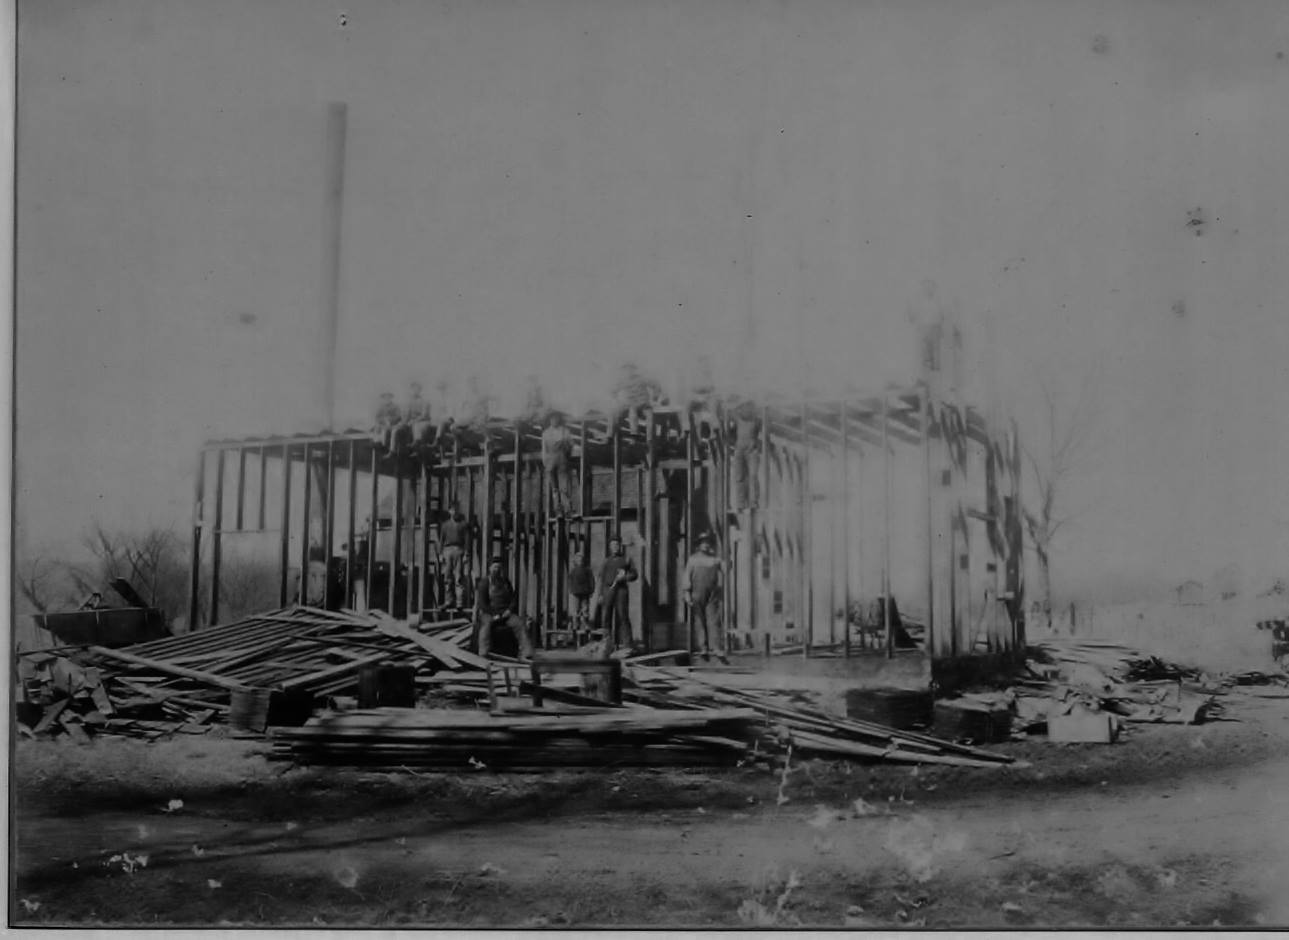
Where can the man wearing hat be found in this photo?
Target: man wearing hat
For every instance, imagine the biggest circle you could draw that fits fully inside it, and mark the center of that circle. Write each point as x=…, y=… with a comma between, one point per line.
x=416, y=428
x=494, y=607
x=702, y=587
x=386, y=424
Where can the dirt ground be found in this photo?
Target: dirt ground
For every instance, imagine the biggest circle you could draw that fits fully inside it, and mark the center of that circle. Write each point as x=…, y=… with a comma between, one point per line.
x=1171, y=826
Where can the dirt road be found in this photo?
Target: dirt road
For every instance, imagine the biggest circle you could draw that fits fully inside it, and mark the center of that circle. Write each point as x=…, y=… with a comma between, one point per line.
x=1190, y=846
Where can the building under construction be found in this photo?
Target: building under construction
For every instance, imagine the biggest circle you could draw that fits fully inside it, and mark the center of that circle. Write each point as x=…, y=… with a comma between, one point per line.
x=905, y=494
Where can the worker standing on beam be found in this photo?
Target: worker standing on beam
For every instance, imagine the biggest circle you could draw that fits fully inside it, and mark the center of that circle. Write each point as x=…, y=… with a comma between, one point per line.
x=385, y=426
x=702, y=587
x=747, y=437
x=557, y=453
x=616, y=573
x=416, y=426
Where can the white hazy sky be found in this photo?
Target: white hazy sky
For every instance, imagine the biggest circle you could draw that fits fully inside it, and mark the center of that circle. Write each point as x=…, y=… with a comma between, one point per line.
x=552, y=186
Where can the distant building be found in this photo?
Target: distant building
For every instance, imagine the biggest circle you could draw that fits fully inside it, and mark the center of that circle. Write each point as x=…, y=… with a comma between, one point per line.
x=1189, y=593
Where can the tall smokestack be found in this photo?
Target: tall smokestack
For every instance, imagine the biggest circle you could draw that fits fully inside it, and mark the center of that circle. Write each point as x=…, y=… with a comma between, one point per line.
x=337, y=124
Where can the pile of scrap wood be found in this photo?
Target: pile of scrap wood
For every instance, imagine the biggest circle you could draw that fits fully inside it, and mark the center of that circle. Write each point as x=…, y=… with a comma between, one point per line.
x=787, y=720
x=297, y=655
x=1077, y=676
x=669, y=716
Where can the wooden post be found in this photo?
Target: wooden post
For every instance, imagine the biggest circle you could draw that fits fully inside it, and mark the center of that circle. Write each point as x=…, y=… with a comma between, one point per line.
x=648, y=592
x=372, y=529
x=194, y=560
x=241, y=488
x=261, y=518
x=350, y=556
x=306, y=524
x=583, y=481
x=930, y=484
x=516, y=493
x=845, y=527
x=216, y=531
x=761, y=611
x=489, y=497
x=329, y=508
x=690, y=489
x=616, y=438
x=722, y=470
x=283, y=586
x=886, y=528
x=540, y=539
x=396, y=531
x=803, y=522
x=835, y=471
x=422, y=547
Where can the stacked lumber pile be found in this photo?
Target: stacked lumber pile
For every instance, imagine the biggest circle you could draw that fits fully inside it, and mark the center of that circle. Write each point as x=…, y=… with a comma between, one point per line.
x=457, y=739
x=181, y=683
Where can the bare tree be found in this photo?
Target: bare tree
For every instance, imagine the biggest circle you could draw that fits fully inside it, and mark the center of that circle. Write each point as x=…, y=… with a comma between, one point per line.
x=153, y=561
x=38, y=580
x=1066, y=431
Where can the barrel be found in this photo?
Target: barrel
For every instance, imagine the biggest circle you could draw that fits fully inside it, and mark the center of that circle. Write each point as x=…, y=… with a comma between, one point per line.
x=248, y=709
x=382, y=686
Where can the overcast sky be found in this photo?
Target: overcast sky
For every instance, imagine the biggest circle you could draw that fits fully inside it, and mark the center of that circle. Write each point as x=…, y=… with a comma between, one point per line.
x=552, y=186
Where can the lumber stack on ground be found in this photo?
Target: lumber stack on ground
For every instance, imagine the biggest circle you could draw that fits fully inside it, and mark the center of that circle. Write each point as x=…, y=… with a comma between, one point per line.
x=288, y=654
x=454, y=739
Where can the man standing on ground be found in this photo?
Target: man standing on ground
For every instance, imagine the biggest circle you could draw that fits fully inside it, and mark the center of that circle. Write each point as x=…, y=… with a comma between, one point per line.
x=494, y=607
x=581, y=585
x=616, y=573
x=452, y=545
x=702, y=586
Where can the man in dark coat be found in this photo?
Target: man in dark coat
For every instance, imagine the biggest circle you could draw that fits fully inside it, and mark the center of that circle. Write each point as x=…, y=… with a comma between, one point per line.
x=616, y=573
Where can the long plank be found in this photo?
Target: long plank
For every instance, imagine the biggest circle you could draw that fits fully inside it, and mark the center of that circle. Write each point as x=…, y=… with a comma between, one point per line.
x=451, y=656
x=168, y=668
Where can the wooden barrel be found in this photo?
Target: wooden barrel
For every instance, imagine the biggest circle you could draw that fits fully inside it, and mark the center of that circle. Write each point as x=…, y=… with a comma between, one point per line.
x=382, y=686
x=248, y=709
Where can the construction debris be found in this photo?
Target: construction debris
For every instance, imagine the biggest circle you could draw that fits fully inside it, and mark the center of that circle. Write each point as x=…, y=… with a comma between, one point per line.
x=272, y=665
x=277, y=670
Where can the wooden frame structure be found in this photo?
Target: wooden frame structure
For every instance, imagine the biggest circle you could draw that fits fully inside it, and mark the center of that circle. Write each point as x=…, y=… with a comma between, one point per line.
x=355, y=526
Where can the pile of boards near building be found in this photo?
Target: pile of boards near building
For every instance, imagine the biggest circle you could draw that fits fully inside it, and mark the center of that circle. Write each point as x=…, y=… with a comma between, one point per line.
x=304, y=675
x=275, y=667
